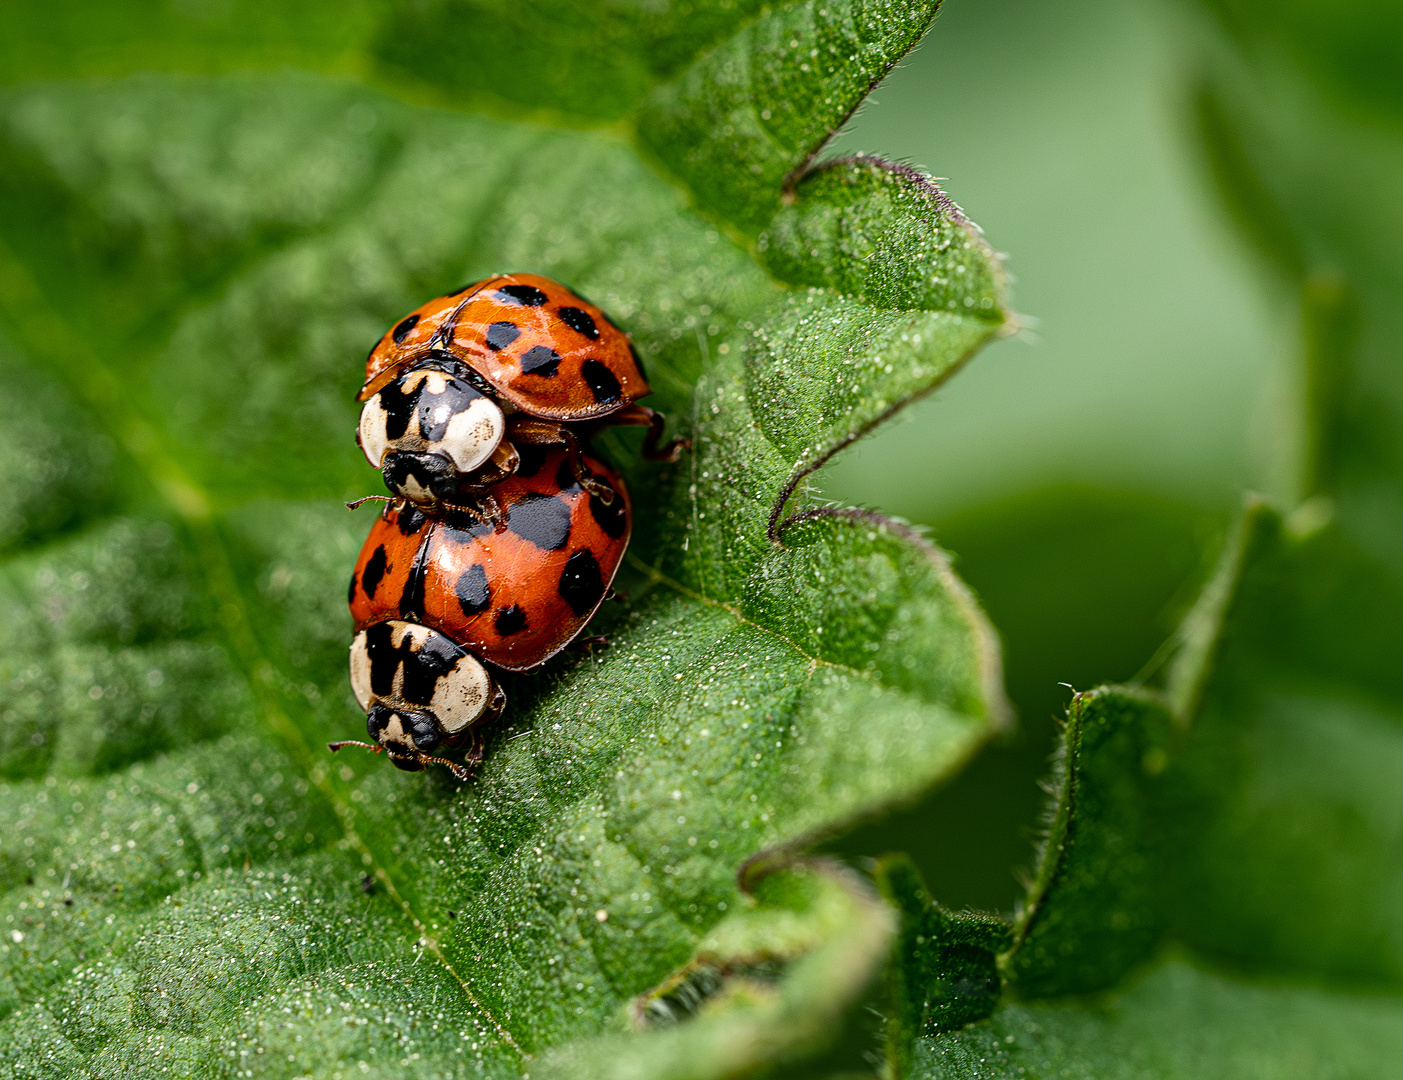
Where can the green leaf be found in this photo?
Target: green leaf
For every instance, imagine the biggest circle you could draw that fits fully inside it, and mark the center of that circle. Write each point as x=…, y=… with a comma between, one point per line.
x=589, y=61
x=1097, y=905
x=1355, y=50
x=40, y=41
x=1286, y=676
x=1280, y=148
x=1248, y=814
x=764, y=985
x=1256, y=826
x=1179, y=1021
x=740, y=123
x=1245, y=817
x=1287, y=779
x=193, y=885
x=944, y=974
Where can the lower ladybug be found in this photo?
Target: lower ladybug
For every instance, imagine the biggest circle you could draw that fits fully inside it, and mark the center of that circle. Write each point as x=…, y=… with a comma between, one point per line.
x=440, y=599
x=457, y=386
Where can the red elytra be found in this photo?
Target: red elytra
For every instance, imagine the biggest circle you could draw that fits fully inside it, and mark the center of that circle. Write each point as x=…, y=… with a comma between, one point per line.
x=514, y=595
x=542, y=348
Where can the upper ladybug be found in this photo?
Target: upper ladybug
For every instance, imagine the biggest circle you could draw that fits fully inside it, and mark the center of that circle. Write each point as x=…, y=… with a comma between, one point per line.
x=541, y=348
x=508, y=361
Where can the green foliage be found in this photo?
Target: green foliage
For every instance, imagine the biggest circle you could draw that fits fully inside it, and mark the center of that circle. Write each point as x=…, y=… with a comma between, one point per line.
x=738, y=124
x=1288, y=777
x=1248, y=812
x=590, y=60
x=765, y=983
x=116, y=37
x=1098, y=895
x=188, y=283
x=944, y=972
x=882, y=233
x=189, y=274
x=1350, y=46
x=1179, y=1023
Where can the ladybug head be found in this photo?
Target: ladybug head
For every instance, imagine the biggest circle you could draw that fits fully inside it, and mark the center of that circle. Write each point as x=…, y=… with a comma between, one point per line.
x=421, y=692
x=427, y=428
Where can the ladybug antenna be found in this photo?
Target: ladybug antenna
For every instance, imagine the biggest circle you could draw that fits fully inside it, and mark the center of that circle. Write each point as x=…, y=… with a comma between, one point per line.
x=453, y=767
x=356, y=504
x=372, y=747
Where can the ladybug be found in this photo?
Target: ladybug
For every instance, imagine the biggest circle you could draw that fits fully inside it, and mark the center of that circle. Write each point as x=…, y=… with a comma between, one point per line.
x=457, y=386
x=440, y=598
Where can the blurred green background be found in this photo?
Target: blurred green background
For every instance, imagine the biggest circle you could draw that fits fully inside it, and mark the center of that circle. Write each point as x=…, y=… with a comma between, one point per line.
x=1082, y=470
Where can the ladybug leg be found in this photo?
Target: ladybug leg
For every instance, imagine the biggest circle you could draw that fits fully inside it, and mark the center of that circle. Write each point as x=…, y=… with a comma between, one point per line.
x=493, y=512
x=534, y=432
x=475, y=752
x=642, y=416
x=496, y=705
x=503, y=463
x=588, y=644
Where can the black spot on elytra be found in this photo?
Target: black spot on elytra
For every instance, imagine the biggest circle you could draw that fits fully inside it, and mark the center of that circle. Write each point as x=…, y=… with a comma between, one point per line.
x=402, y=328
x=527, y=295
x=351, y=592
x=541, y=360
x=502, y=334
x=611, y=517
x=542, y=519
x=411, y=601
x=579, y=320
x=472, y=590
x=461, y=527
x=510, y=620
x=374, y=571
x=601, y=381
x=565, y=478
x=410, y=520
x=532, y=458
x=581, y=583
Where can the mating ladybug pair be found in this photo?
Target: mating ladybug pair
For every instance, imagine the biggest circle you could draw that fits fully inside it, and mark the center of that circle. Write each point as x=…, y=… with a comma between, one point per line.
x=505, y=535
